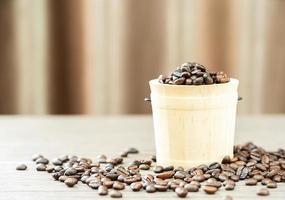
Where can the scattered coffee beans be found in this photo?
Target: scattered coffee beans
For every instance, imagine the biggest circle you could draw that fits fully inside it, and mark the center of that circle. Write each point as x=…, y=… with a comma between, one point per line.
x=263, y=192
x=193, y=74
x=250, y=163
x=181, y=192
x=116, y=194
x=21, y=167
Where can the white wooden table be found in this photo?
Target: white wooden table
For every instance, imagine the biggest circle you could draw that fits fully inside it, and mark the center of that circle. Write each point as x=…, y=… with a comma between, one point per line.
x=22, y=136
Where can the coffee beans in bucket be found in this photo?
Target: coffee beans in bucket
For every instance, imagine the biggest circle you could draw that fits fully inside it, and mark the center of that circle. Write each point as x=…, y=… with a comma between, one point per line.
x=193, y=74
x=109, y=176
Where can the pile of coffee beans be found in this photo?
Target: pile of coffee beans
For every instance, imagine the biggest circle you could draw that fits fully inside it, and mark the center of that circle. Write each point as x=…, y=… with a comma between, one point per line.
x=250, y=163
x=193, y=74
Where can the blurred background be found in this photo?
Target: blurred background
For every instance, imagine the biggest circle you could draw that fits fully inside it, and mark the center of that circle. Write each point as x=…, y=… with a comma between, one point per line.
x=97, y=56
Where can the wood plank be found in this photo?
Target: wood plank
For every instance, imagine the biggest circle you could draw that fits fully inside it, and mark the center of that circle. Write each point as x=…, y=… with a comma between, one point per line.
x=21, y=137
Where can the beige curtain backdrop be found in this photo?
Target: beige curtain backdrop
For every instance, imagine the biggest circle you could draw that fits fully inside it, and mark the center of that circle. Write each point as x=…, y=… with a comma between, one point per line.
x=96, y=56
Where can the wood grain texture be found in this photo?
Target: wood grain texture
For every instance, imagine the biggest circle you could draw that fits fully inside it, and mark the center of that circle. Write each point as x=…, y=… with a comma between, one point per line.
x=21, y=137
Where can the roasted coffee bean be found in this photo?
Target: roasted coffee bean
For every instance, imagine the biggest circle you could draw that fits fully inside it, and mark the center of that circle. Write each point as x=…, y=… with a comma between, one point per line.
x=116, y=194
x=153, y=158
x=42, y=160
x=144, y=167
x=49, y=169
x=165, y=175
x=199, y=178
x=102, y=158
x=263, y=192
x=168, y=168
x=137, y=186
x=251, y=181
x=62, y=178
x=258, y=177
x=41, y=167
x=228, y=197
x=216, y=184
x=21, y=167
x=226, y=160
x=158, y=169
x=266, y=181
x=150, y=188
x=191, y=187
x=229, y=187
x=181, y=192
x=260, y=166
x=161, y=188
x=57, y=162
x=58, y=168
x=180, y=175
x=188, y=81
x=118, y=185
x=198, y=81
x=102, y=190
x=272, y=185
x=36, y=156
x=129, y=180
x=132, y=150
x=70, y=182
x=108, y=183
x=70, y=171
x=195, y=183
x=235, y=178
x=210, y=189
x=94, y=184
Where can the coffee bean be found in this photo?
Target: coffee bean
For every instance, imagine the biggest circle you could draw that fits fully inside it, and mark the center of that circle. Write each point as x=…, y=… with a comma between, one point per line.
x=21, y=167
x=94, y=184
x=62, y=178
x=263, y=192
x=161, y=188
x=195, y=183
x=258, y=177
x=199, y=178
x=36, y=156
x=210, y=189
x=40, y=167
x=144, y=167
x=228, y=197
x=272, y=185
x=181, y=192
x=158, y=169
x=191, y=187
x=118, y=185
x=179, y=81
x=116, y=194
x=235, y=178
x=216, y=184
x=180, y=175
x=58, y=168
x=251, y=181
x=70, y=171
x=137, y=186
x=49, y=169
x=198, y=81
x=70, y=182
x=188, y=81
x=108, y=183
x=165, y=175
x=150, y=188
x=42, y=160
x=57, y=162
x=229, y=187
x=266, y=181
x=132, y=150
x=102, y=158
x=102, y=190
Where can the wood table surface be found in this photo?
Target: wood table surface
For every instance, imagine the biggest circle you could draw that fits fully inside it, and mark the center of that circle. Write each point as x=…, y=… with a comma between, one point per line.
x=23, y=136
